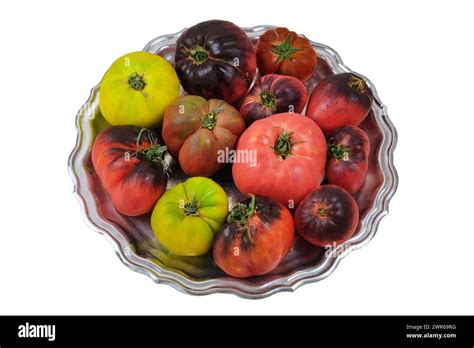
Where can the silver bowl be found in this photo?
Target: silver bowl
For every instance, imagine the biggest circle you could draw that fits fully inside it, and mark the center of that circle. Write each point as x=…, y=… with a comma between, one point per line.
x=138, y=248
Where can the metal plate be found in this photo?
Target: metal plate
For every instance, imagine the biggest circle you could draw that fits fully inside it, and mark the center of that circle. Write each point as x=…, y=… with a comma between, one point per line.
x=138, y=248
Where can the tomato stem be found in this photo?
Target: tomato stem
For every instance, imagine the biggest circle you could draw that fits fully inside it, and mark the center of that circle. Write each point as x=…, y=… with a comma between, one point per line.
x=338, y=151
x=191, y=208
x=284, y=49
x=198, y=54
x=136, y=81
x=357, y=83
x=155, y=153
x=240, y=213
x=322, y=211
x=210, y=119
x=268, y=99
x=284, y=144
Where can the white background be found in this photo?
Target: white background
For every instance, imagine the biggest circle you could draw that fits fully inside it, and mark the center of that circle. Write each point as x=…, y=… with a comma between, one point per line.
x=419, y=55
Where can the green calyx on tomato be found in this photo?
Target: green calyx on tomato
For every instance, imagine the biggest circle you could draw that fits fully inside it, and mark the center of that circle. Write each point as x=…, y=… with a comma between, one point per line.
x=284, y=49
x=155, y=153
x=198, y=54
x=284, y=144
x=338, y=151
x=209, y=121
x=268, y=99
x=240, y=213
x=137, y=82
x=191, y=208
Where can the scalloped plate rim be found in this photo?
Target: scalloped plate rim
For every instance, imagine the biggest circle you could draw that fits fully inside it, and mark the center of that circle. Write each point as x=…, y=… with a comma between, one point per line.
x=289, y=283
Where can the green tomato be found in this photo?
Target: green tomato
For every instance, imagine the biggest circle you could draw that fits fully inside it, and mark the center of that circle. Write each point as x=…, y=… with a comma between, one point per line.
x=188, y=215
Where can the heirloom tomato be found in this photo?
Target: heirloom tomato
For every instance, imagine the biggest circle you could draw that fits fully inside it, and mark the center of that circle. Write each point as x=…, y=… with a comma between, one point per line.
x=258, y=235
x=326, y=216
x=198, y=132
x=188, y=215
x=280, y=51
x=339, y=100
x=215, y=59
x=348, y=152
x=273, y=94
x=129, y=162
x=289, y=152
x=136, y=90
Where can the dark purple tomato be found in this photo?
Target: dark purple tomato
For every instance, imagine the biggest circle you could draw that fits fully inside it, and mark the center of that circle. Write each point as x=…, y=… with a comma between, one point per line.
x=326, y=216
x=273, y=94
x=339, y=100
x=348, y=153
x=215, y=59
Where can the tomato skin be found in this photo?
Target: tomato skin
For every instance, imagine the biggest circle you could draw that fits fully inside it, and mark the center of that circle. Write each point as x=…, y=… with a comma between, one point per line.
x=348, y=153
x=273, y=94
x=215, y=59
x=156, y=86
x=334, y=224
x=133, y=182
x=188, y=215
x=300, y=64
x=260, y=247
x=285, y=179
x=196, y=147
x=339, y=100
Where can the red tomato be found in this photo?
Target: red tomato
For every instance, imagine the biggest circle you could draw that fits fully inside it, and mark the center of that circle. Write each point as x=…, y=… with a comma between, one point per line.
x=197, y=132
x=348, y=153
x=282, y=157
x=326, y=216
x=130, y=163
x=339, y=100
x=258, y=235
x=280, y=51
x=273, y=94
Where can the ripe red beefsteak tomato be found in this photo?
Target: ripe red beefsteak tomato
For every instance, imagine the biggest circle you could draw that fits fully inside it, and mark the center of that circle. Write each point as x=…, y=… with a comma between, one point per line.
x=339, y=100
x=198, y=133
x=327, y=216
x=257, y=237
x=215, y=59
x=348, y=153
x=129, y=162
x=289, y=152
x=273, y=94
x=280, y=51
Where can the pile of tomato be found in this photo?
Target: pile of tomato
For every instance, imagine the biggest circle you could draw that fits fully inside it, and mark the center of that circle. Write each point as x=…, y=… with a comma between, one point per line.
x=247, y=100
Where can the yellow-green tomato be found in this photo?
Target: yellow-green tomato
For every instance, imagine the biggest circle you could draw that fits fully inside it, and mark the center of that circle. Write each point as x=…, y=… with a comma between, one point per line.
x=188, y=215
x=137, y=89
